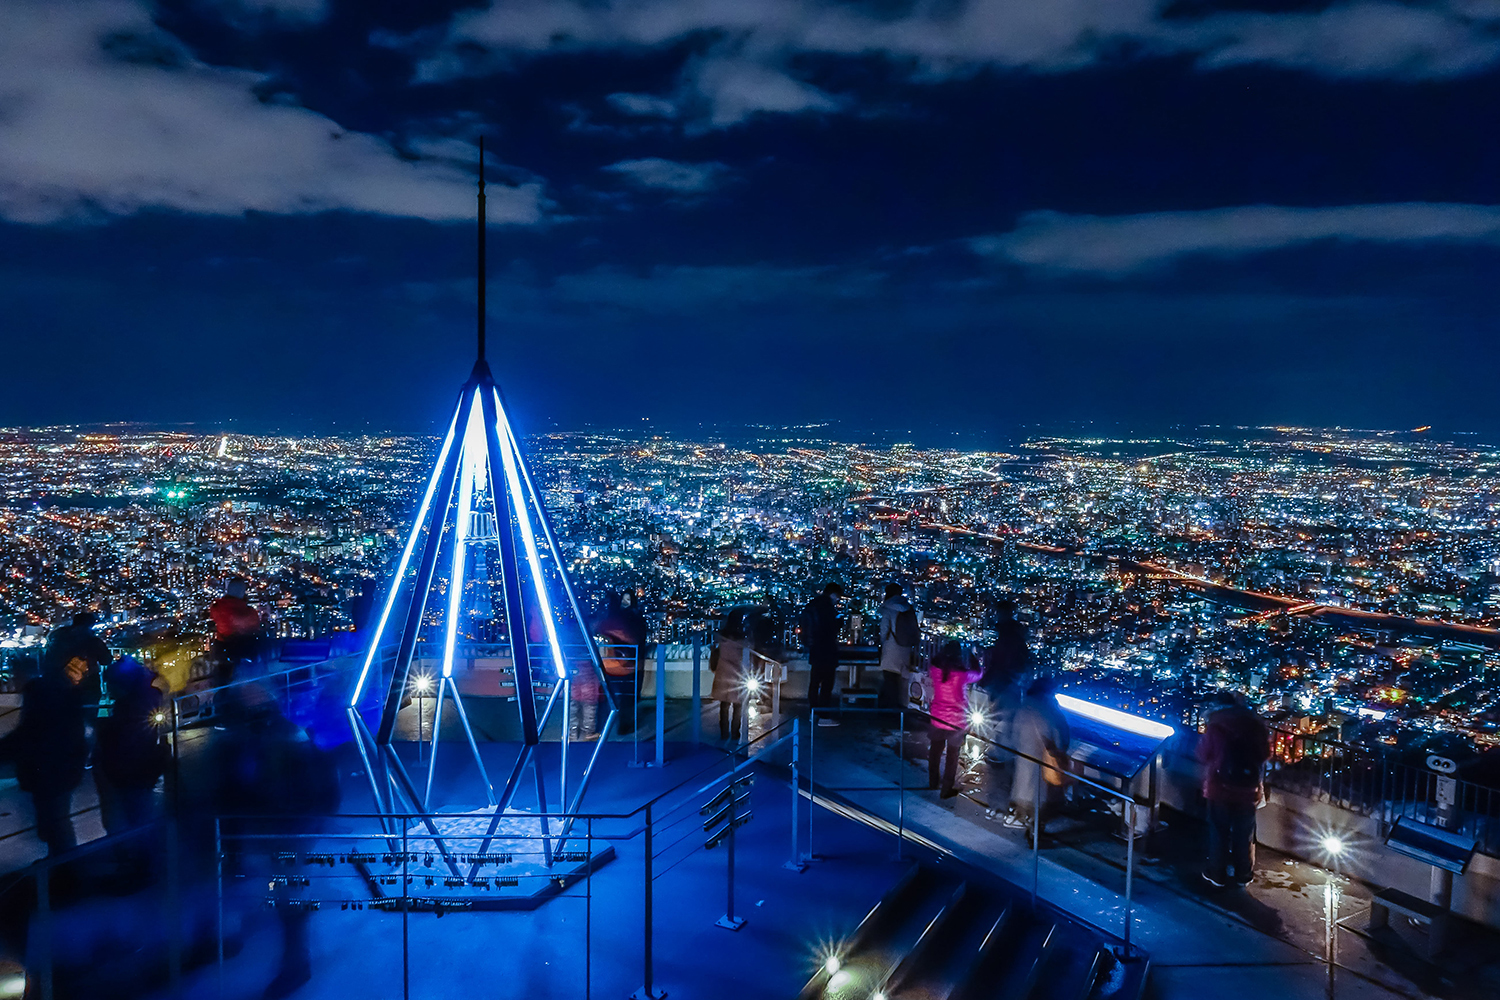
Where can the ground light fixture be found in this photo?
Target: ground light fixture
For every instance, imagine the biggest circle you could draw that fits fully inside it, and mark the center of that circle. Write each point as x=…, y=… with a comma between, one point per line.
x=831, y=965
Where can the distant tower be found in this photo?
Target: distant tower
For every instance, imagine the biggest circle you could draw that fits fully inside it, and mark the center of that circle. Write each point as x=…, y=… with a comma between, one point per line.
x=481, y=496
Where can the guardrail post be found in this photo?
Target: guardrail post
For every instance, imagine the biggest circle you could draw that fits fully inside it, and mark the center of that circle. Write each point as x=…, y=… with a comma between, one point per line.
x=812, y=784
x=44, y=931
x=1129, y=877
x=729, y=921
x=1036, y=829
x=174, y=907
x=648, y=991
x=795, y=862
x=901, y=770
x=747, y=681
x=219, y=879
x=696, y=717
x=661, y=704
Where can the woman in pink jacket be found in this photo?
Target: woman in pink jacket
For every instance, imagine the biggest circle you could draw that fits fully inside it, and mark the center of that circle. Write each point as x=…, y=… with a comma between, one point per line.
x=952, y=673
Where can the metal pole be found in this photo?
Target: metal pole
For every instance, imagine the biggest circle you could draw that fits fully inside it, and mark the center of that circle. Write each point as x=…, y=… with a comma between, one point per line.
x=746, y=676
x=1129, y=876
x=1036, y=830
x=405, y=910
x=696, y=717
x=795, y=862
x=588, y=909
x=44, y=931
x=219, y=862
x=661, y=704
x=730, y=920
x=174, y=909
x=775, y=699
x=1330, y=914
x=567, y=725
x=901, y=803
x=812, y=784
x=648, y=990
x=635, y=710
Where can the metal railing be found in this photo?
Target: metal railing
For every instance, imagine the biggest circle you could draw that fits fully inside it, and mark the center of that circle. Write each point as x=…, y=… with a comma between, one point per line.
x=155, y=844
x=314, y=863
x=1369, y=784
x=1129, y=806
x=309, y=871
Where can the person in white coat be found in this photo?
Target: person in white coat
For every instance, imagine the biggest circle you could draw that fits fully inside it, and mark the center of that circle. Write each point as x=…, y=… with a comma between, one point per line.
x=898, y=621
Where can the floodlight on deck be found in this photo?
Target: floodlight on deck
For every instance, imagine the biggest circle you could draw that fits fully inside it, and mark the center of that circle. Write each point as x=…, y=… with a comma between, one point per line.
x=1115, y=717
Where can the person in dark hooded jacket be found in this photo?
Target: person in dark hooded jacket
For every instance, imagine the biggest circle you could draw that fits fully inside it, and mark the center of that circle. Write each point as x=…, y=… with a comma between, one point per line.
x=50, y=749
x=1234, y=749
x=129, y=753
x=78, y=639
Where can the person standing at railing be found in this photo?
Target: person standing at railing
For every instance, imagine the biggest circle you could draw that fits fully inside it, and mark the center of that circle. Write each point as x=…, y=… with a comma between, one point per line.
x=623, y=630
x=78, y=640
x=952, y=673
x=236, y=632
x=129, y=753
x=1005, y=665
x=1040, y=732
x=819, y=626
x=50, y=748
x=727, y=665
x=900, y=635
x=1234, y=749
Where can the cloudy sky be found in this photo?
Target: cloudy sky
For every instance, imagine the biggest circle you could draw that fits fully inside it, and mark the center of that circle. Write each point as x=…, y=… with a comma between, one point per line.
x=936, y=216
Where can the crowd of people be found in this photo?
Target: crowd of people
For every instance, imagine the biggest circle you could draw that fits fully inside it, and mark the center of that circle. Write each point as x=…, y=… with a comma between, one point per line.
x=89, y=712
x=997, y=692
x=89, y=709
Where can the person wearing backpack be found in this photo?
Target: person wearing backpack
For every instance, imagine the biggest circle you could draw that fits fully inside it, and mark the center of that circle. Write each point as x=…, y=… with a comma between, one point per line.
x=900, y=634
x=1234, y=749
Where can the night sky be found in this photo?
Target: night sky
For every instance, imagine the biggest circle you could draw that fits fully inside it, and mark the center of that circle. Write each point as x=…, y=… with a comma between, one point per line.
x=923, y=217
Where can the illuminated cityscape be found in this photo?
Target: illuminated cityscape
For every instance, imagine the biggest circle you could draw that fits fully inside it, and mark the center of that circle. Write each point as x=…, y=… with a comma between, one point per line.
x=974, y=499
x=1350, y=581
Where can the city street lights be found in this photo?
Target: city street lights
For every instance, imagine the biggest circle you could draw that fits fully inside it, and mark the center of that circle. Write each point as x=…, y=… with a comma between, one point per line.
x=1334, y=848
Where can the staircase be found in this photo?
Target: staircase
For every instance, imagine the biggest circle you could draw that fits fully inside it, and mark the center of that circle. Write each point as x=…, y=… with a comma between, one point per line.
x=944, y=932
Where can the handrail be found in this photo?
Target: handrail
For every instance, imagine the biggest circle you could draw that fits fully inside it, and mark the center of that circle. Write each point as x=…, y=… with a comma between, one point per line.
x=1128, y=809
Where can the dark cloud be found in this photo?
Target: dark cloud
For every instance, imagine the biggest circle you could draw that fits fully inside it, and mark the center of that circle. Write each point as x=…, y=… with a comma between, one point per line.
x=956, y=214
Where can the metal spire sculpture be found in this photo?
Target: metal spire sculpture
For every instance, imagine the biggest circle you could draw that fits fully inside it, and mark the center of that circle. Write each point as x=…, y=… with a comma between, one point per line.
x=481, y=493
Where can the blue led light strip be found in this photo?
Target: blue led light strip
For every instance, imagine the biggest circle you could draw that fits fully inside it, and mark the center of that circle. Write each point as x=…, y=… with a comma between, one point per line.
x=528, y=536
x=471, y=462
x=400, y=575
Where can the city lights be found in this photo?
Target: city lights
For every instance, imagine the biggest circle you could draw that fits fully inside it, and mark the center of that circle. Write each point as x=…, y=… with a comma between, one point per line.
x=1309, y=623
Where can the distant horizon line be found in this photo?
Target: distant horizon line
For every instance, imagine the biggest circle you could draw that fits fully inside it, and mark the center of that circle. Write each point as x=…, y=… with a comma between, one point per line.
x=647, y=428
